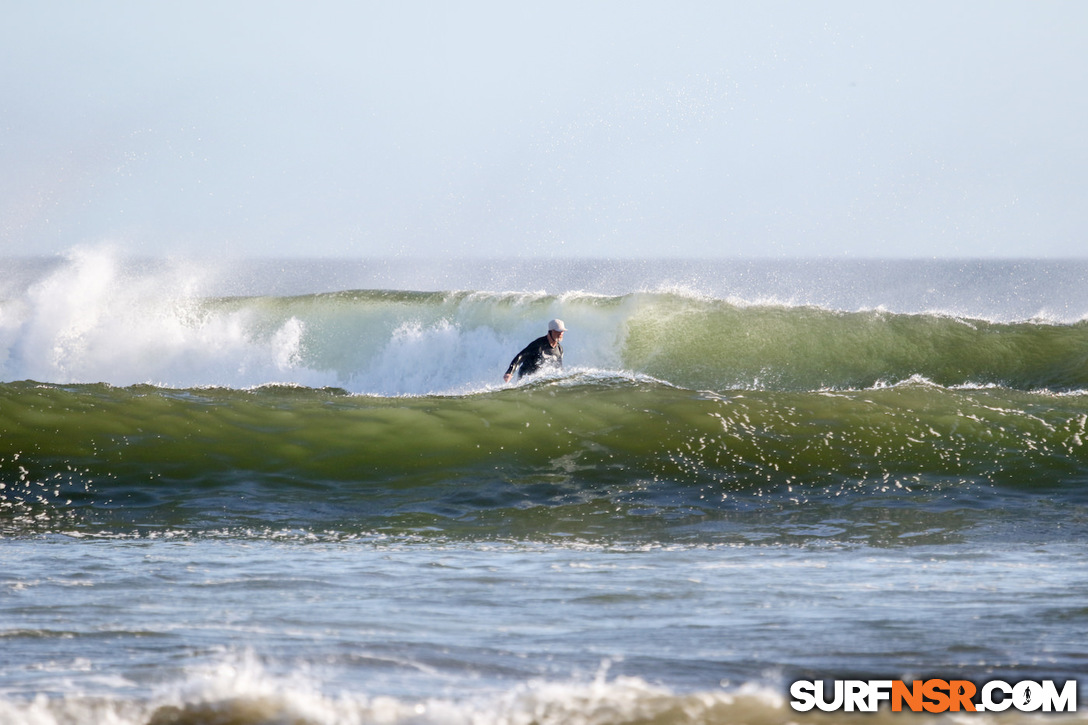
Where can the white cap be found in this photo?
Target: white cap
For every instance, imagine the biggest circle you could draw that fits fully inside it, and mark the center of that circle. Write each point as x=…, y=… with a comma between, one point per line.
x=557, y=326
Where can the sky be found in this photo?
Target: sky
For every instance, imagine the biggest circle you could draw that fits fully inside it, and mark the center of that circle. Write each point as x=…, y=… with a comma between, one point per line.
x=339, y=128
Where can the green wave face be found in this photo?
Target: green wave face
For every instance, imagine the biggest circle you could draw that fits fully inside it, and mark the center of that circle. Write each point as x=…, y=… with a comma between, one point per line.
x=588, y=456
x=715, y=345
x=688, y=341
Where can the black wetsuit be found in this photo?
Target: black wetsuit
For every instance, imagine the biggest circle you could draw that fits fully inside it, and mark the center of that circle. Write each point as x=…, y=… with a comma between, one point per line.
x=536, y=354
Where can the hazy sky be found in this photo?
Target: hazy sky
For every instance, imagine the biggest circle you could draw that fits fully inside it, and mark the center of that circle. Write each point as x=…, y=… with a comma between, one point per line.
x=713, y=128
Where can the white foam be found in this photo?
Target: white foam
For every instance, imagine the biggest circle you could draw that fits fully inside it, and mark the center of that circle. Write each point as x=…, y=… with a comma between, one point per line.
x=94, y=320
x=241, y=690
x=88, y=321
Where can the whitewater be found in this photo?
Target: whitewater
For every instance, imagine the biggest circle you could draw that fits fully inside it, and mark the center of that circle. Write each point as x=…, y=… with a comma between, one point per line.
x=406, y=328
x=272, y=491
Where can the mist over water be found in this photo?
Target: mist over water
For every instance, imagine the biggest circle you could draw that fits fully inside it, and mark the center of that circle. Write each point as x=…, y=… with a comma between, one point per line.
x=995, y=290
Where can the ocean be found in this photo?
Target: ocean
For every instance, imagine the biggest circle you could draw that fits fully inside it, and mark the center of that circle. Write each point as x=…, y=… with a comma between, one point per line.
x=297, y=491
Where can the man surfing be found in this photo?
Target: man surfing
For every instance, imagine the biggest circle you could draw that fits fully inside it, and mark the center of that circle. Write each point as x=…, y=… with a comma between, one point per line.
x=541, y=352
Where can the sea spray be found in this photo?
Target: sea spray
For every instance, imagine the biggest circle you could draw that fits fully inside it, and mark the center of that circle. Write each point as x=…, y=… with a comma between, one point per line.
x=94, y=320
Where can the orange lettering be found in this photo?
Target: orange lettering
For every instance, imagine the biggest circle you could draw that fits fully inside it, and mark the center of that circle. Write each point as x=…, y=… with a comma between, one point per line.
x=961, y=693
x=935, y=691
x=912, y=696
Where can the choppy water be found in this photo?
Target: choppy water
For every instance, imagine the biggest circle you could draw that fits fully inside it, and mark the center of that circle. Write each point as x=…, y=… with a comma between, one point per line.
x=300, y=492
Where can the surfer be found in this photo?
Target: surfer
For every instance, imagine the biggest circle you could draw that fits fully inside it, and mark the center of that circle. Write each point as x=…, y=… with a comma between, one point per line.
x=541, y=351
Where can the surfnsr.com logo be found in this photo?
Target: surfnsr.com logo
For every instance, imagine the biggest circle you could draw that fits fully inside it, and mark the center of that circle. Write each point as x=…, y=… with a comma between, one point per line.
x=933, y=696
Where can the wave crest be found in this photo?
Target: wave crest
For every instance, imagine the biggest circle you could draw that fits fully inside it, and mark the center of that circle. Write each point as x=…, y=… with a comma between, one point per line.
x=94, y=320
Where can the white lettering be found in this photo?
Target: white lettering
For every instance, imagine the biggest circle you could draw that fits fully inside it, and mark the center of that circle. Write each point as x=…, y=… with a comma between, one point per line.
x=821, y=698
x=1027, y=696
x=856, y=695
x=879, y=690
x=1065, y=701
x=988, y=702
x=804, y=695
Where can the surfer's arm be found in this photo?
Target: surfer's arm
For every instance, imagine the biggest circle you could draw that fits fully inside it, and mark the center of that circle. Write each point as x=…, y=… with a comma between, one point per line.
x=525, y=354
x=513, y=366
